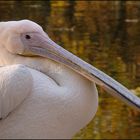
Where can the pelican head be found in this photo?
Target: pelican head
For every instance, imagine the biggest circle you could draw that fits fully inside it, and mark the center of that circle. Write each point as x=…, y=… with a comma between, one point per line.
x=26, y=38
x=18, y=36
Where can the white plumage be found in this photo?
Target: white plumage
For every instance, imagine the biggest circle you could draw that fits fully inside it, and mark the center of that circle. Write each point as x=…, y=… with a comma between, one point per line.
x=53, y=103
x=49, y=110
x=12, y=80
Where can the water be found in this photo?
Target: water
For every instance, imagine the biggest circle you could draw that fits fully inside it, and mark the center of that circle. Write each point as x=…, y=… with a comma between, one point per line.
x=106, y=35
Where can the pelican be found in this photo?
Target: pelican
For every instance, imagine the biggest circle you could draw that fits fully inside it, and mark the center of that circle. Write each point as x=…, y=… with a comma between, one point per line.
x=46, y=91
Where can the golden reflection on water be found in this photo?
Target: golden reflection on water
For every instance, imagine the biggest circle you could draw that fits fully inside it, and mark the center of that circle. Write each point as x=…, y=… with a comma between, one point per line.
x=105, y=34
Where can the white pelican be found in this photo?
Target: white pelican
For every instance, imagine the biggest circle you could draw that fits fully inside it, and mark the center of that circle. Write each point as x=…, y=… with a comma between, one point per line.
x=46, y=91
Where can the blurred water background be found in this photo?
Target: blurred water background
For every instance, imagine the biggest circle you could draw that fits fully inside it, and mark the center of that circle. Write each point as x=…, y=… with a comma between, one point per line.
x=106, y=34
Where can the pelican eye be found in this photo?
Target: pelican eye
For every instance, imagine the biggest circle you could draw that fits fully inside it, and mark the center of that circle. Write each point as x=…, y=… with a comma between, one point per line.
x=27, y=36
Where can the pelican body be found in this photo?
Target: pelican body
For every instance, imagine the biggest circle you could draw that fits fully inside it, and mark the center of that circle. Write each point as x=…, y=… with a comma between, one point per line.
x=46, y=91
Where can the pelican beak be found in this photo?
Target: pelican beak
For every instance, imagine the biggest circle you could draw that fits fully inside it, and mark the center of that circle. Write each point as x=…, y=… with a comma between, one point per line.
x=55, y=52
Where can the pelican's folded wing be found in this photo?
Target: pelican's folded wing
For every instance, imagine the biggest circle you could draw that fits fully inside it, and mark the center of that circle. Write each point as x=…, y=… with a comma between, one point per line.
x=15, y=86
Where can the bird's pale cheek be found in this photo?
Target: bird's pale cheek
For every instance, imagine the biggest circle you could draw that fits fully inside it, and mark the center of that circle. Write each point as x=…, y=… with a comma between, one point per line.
x=14, y=45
